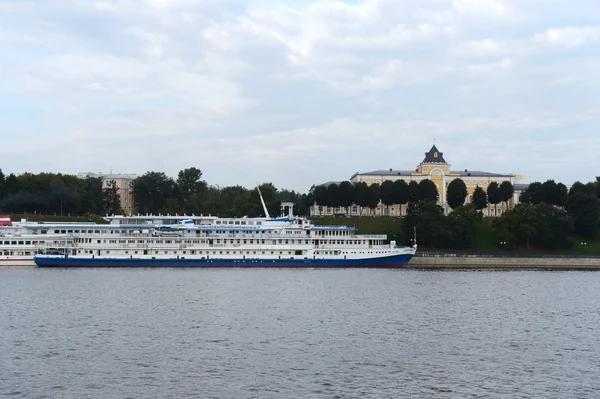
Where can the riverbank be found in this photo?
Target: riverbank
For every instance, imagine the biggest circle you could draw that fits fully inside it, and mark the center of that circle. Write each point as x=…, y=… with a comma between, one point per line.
x=450, y=261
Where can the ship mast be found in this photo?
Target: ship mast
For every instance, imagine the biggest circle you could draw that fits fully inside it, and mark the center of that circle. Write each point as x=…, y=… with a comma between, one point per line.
x=262, y=201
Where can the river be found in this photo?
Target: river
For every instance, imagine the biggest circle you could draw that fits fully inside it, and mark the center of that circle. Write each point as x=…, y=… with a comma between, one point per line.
x=289, y=333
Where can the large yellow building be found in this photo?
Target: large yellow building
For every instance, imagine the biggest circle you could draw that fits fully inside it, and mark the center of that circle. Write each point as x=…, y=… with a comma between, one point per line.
x=435, y=168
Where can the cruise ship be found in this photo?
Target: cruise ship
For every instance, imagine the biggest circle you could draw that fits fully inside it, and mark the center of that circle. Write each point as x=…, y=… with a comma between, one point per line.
x=207, y=241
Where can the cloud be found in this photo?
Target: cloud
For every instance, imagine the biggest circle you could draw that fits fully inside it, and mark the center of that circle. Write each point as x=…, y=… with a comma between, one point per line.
x=491, y=8
x=569, y=37
x=504, y=64
x=315, y=89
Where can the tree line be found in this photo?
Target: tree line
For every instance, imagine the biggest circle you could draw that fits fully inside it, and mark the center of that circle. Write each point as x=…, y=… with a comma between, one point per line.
x=52, y=193
x=155, y=192
x=547, y=216
x=399, y=192
x=549, y=213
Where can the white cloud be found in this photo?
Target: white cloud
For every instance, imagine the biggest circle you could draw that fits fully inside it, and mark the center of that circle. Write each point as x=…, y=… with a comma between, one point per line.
x=504, y=64
x=245, y=90
x=480, y=48
x=569, y=37
x=490, y=8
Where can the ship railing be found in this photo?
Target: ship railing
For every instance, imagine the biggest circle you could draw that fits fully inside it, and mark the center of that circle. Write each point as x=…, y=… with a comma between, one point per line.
x=371, y=236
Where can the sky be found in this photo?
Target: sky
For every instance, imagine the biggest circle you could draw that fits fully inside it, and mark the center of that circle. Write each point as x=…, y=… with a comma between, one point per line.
x=300, y=92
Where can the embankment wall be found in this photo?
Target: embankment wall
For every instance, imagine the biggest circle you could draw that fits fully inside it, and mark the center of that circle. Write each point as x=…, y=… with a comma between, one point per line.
x=482, y=262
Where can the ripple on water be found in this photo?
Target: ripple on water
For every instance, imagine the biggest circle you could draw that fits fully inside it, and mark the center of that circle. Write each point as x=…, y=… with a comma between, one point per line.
x=298, y=333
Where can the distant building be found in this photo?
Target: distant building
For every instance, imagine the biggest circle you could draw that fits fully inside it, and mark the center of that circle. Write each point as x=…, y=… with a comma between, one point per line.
x=124, y=188
x=435, y=168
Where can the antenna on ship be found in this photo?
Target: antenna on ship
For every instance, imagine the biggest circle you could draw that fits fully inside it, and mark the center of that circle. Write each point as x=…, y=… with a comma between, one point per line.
x=262, y=201
x=414, y=236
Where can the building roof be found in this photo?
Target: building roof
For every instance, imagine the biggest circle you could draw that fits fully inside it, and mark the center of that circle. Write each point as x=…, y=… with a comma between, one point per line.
x=108, y=176
x=329, y=183
x=466, y=172
x=462, y=173
x=387, y=172
x=434, y=156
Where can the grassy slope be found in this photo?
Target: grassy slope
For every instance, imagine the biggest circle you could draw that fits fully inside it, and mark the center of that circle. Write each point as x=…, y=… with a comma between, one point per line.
x=484, y=238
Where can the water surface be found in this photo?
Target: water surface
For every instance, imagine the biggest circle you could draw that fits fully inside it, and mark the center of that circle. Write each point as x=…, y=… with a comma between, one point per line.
x=289, y=333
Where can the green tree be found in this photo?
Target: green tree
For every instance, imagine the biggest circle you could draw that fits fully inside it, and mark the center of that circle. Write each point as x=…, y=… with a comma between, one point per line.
x=111, y=200
x=456, y=193
x=193, y=205
x=506, y=191
x=413, y=191
x=534, y=194
x=551, y=193
x=584, y=208
x=189, y=183
x=400, y=192
x=578, y=187
x=361, y=196
x=540, y=225
x=2, y=184
x=493, y=194
x=427, y=190
x=171, y=206
x=386, y=194
x=11, y=184
x=428, y=219
x=92, y=195
x=270, y=196
x=151, y=191
x=562, y=195
x=373, y=196
x=479, y=199
x=461, y=226
x=346, y=195
x=333, y=199
x=320, y=196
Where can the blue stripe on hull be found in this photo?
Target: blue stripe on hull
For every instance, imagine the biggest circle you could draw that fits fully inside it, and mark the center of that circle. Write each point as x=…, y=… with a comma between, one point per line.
x=385, y=262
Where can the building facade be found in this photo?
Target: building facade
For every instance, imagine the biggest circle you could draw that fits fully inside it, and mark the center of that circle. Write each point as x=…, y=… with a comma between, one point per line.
x=123, y=182
x=435, y=168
